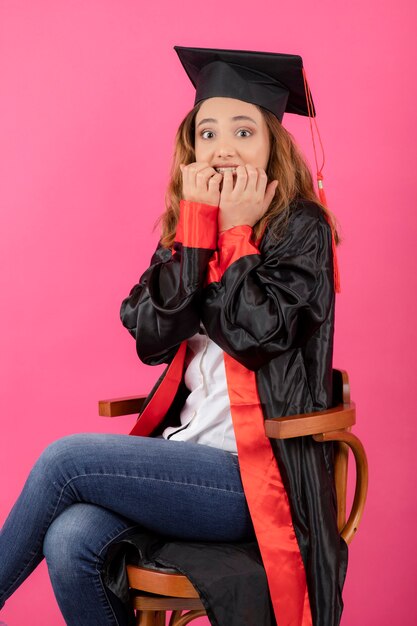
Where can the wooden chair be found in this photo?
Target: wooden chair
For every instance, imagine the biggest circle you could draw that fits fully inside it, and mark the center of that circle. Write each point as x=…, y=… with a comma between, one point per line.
x=156, y=590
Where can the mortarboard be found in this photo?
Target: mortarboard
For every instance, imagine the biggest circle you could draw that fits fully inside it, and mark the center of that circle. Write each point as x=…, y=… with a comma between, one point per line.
x=275, y=81
x=271, y=80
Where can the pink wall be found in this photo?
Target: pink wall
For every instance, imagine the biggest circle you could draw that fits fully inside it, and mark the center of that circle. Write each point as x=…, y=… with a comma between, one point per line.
x=91, y=93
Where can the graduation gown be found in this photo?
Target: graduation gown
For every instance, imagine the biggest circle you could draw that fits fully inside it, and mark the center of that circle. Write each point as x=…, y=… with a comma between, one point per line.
x=270, y=306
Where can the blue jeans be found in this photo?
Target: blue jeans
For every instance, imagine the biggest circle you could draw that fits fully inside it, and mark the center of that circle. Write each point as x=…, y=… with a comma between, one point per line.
x=88, y=490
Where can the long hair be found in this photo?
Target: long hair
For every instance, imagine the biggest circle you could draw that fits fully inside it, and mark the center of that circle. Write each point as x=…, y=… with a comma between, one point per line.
x=286, y=164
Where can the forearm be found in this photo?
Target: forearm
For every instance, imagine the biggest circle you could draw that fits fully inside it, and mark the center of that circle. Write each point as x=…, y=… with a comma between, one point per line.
x=163, y=309
x=259, y=304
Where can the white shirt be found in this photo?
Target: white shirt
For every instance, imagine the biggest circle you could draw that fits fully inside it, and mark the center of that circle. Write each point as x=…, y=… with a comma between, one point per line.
x=205, y=416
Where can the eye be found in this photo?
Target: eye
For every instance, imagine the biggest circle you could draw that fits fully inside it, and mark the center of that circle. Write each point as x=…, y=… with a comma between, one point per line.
x=242, y=130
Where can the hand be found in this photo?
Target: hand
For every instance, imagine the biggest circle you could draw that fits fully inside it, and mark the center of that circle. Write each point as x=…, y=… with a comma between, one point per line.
x=200, y=183
x=247, y=201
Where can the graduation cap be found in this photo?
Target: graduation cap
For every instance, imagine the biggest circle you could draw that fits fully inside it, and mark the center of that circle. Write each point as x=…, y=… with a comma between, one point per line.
x=272, y=80
x=275, y=81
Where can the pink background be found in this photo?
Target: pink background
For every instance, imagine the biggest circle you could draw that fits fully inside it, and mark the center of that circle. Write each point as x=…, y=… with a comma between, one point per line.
x=91, y=94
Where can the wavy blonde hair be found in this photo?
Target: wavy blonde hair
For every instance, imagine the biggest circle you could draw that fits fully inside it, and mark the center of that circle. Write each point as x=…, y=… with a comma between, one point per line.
x=286, y=164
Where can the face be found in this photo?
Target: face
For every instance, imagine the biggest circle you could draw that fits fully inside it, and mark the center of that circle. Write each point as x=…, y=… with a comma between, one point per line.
x=221, y=140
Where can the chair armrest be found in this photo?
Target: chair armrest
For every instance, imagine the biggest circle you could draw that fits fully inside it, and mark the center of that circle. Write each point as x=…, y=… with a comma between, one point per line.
x=335, y=418
x=361, y=488
x=120, y=406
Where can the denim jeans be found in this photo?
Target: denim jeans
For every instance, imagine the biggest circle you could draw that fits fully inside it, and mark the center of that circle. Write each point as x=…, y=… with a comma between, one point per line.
x=88, y=490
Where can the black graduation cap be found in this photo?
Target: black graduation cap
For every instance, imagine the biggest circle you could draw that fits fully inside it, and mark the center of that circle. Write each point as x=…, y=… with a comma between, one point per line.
x=272, y=80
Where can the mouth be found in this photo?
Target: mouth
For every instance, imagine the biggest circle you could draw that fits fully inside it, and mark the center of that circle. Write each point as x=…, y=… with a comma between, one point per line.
x=222, y=170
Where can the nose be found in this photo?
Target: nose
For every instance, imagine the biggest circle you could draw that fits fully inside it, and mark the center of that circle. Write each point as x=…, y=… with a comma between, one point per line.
x=225, y=151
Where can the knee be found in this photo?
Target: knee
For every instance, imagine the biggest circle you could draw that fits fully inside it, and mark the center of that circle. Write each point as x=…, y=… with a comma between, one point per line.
x=64, y=444
x=64, y=546
x=57, y=453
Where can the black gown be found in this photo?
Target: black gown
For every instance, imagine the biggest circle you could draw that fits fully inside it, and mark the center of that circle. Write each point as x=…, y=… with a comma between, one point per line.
x=270, y=306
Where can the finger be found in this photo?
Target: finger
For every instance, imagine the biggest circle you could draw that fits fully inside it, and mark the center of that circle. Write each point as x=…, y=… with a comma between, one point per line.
x=191, y=172
x=227, y=181
x=262, y=180
x=191, y=169
x=269, y=194
x=241, y=179
x=203, y=176
x=252, y=177
x=198, y=166
x=199, y=174
x=215, y=180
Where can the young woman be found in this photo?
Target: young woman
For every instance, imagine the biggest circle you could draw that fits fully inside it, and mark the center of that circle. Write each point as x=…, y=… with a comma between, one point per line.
x=238, y=301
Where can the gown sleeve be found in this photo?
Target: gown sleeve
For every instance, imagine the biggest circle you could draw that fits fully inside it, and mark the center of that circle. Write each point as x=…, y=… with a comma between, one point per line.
x=162, y=309
x=263, y=303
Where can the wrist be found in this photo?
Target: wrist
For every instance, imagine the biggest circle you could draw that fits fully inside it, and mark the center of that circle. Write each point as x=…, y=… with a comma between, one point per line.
x=236, y=230
x=230, y=226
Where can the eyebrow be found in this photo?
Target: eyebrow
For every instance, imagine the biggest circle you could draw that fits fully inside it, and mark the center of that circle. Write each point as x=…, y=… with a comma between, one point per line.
x=232, y=119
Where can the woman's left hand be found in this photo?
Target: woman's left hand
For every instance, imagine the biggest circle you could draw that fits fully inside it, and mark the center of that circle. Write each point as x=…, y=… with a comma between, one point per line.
x=247, y=201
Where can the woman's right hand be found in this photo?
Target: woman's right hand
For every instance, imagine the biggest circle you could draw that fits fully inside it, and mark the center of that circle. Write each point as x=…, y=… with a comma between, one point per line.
x=200, y=183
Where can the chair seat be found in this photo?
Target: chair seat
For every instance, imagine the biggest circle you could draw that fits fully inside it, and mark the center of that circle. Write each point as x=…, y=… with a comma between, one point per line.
x=156, y=567
x=161, y=580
